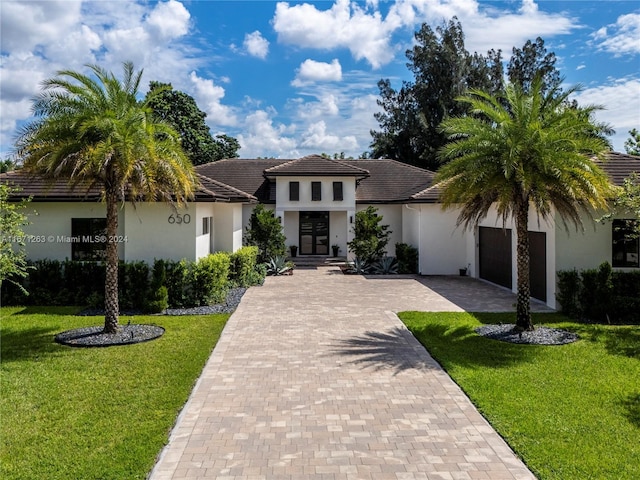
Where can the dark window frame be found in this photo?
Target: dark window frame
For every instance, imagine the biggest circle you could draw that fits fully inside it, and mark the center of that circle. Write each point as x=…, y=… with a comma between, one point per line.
x=624, y=247
x=294, y=191
x=316, y=191
x=206, y=225
x=338, y=192
x=88, y=239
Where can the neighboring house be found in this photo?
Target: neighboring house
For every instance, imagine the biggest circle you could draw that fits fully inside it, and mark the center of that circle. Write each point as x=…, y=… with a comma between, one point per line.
x=316, y=199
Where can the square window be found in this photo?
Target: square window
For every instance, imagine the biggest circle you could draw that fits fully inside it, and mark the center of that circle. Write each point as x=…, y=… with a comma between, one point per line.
x=625, y=245
x=337, y=192
x=316, y=191
x=294, y=191
x=87, y=239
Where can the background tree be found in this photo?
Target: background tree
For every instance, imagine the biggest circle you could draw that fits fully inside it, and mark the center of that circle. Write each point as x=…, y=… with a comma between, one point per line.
x=525, y=149
x=532, y=61
x=626, y=201
x=632, y=144
x=93, y=129
x=181, y=111
x=370, y=236
x=443, y=69
x=265, y=232
x=13, y=259
x=6, y=165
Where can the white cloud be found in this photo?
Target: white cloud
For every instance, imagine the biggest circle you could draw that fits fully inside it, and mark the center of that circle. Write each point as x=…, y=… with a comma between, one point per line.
x=169, y=20
x=325, y=106
x=367, y=35
x=344, y=25
x=621, y=99
x=624, y=38
x=261, y=137
x=312, y=71
x=256, y=45
x=316, y=137
x=209, y=96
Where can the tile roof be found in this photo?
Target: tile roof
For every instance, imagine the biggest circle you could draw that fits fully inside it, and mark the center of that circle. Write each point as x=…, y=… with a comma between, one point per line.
x=316, y=165
x=59, y=190
x=389, y=180
x=617, y=165
x=246, y=175
x=620, y=165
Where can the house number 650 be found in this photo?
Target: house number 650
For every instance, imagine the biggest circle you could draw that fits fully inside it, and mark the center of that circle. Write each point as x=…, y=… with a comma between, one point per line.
x=177, y=218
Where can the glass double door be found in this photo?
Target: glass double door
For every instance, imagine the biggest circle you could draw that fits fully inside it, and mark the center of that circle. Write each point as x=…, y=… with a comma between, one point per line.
x=314, y=233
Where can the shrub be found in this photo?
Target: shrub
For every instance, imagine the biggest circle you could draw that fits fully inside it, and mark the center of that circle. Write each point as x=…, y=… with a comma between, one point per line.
x=278, y=266
x=265, y=232
x=133, y=284
x=407, y=256
x=569, y=286
x=176, y=274
x=242, y=265
x=370, y=237
x=159, y=295
x=209, y=282
x=386, y=266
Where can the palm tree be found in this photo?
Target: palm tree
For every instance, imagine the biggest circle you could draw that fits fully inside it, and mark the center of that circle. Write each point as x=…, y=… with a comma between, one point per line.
x=523, y=150
x=93, y=130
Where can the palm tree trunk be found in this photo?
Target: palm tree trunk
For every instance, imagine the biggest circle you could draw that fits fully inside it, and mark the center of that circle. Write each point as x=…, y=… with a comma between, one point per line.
x=111, y=284
x=523, y=308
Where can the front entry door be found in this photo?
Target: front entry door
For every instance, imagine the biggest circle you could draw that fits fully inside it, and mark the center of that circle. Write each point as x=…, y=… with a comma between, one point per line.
x=314, y=233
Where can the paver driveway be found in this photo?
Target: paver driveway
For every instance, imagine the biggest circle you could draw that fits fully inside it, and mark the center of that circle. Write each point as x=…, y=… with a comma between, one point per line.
x=314, y=377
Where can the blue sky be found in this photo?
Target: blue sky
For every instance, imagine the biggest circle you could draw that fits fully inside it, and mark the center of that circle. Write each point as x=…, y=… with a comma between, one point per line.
x=289, y=79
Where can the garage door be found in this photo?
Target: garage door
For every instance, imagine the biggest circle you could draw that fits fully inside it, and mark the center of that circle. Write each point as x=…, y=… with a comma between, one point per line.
x=495, y=255
x=495, y=259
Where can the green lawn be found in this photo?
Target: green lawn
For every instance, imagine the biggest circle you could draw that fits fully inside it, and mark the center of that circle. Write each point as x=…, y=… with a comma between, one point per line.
x=570, y=412
x=98, y=413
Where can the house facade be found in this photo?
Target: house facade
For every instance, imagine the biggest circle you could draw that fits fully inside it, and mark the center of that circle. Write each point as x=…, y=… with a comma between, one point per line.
x=316, y=199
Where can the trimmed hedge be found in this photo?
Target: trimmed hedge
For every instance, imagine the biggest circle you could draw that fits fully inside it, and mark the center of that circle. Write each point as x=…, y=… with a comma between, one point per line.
x=600, y=295
x=174, y=284
x=407, y=256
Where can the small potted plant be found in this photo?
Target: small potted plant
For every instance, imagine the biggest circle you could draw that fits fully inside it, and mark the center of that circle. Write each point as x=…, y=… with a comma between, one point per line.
x=463, y=271
x=336, y=250
x=294, y=250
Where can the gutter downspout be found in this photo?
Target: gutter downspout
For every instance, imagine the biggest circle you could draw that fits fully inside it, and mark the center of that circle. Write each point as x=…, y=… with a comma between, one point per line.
x=419, y=210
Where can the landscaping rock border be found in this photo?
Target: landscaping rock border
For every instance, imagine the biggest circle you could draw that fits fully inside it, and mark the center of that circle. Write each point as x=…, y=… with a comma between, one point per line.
x=539, y=336
x=95, y=336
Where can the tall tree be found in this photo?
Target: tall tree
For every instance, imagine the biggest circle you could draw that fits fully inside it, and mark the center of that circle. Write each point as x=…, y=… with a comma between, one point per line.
x=532, y=61
x=443, y=69
x=93, y=129
x=181, y=111
x=632, y=144
x=526, y=149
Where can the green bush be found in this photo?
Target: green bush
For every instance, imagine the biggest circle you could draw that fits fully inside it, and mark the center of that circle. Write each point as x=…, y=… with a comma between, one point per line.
x=177, y=273
x=133, y=284
x=370, y=237
x=159, y=295
x=568, y=292
x=209, y=282
x=600, y=295
x=407, y=256
x=242, y=265
x=265, y=232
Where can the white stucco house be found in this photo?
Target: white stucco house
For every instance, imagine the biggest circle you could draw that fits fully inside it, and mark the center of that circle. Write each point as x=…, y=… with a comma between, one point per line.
x=316, y=199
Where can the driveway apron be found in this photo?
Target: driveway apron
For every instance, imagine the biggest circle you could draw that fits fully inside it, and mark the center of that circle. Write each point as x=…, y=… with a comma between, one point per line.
x=314, y=377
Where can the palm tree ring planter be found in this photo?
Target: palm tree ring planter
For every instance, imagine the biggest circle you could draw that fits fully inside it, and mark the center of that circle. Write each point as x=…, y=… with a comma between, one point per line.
x=95, y=337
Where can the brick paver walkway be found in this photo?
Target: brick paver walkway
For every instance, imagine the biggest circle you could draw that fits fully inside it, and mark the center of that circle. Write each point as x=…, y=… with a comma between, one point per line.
x=314, y=377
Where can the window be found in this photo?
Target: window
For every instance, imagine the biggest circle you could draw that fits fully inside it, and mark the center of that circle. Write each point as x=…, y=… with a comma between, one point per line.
x=337, y=192
x=294, y=191
x=625, y=244
x=206, y=225
x=316, y=191
x=88, y=239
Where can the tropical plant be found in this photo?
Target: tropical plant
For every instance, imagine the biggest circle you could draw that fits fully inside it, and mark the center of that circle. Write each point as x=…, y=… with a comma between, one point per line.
x=370, y=236
x=265, y=232
x=518, y=151
x=359, y=266
x=386, y=266
x=13, y=258
x=93, y=130
x=278, y=265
